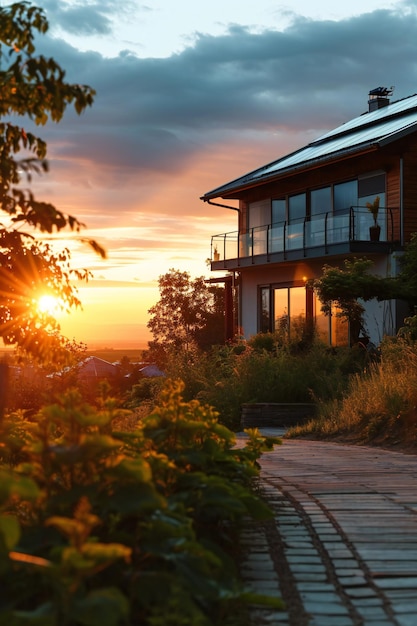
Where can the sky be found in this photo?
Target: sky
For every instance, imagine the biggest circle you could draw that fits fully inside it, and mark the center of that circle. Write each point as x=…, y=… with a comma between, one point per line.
x=191, y=95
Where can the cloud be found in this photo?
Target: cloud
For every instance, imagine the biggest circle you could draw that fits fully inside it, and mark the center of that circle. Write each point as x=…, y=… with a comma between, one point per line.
x=87, y=17
x=163, y=131
x=312, y=74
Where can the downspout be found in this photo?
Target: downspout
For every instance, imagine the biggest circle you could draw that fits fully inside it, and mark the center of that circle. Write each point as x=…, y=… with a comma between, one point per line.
x=229, y=317
x=401, y=201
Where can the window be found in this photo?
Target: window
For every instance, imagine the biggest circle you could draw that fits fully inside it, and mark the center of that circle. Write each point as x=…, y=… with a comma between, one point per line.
x=283, y=309
x=296, y=208
x=320, y=201
x=290, y=310
x=287, y=310
x=345, y=195
x=259, y=213
x=265, y=316
x=279, y=211
x=372, y=185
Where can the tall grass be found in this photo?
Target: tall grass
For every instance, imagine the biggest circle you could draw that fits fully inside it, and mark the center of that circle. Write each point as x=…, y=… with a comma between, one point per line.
x=379, y=404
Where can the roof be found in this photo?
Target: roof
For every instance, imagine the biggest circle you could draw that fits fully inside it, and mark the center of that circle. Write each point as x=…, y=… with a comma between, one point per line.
x=369, y=130
x=151, y=371
x=94, y=367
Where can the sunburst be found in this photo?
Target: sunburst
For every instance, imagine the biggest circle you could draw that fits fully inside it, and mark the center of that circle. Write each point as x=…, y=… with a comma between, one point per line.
x=49, y=305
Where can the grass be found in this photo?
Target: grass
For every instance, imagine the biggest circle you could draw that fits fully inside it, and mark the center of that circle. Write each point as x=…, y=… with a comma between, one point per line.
x=379, y=405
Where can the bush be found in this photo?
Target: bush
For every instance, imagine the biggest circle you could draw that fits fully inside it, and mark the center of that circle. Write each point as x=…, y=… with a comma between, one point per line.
x=265, y=371
x=106, y=527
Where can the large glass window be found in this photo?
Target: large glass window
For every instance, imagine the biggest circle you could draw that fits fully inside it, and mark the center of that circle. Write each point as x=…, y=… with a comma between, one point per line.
x=369, y=187
x=265, y=313
x=372, y=185
x=297, y=311
x=281, y=318
x=279, y=213
x=339, y=329
x=287, y=310
x=345, y=195
x=320, y=201
x=259, y=213
x=296, y=208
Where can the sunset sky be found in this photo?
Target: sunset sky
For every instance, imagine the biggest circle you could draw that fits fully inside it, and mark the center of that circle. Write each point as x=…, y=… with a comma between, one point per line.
x=189, y=96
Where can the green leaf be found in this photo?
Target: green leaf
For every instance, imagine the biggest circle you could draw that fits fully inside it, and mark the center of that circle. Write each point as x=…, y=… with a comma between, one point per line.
x=12, y=484
x=102, y=607
x=10, y=530
x=141, y=498
x=93, y=418
x=94, y=444
x=106, y=552
x=76, y=530
x=137, y=469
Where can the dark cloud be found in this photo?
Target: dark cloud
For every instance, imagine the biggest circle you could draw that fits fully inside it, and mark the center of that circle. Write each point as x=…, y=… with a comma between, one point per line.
x=86, y=18
x=155, y=114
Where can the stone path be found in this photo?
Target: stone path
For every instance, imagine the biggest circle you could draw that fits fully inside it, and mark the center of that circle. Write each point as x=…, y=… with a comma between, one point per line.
x=342, y=548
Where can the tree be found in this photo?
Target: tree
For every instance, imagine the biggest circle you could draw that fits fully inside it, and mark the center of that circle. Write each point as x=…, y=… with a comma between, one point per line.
x=189, y=314
x=345, y=286
x=35, y=87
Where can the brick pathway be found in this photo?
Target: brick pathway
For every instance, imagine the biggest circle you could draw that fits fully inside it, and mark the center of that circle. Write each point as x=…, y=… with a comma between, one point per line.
x=342, y=548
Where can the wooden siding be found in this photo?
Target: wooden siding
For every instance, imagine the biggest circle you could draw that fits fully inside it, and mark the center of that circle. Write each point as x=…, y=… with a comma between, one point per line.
x=393, y=197
x=410, y=191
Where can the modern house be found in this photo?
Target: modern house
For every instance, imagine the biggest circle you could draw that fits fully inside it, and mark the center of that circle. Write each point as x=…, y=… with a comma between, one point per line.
x=309, y=208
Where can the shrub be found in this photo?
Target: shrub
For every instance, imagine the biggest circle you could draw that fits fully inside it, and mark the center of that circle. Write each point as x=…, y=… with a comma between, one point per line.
x=379, y=403
x=226, y=378
x=107, y=527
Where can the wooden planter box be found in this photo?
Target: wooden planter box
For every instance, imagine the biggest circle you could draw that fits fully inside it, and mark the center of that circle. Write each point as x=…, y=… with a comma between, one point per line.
x=270, y=414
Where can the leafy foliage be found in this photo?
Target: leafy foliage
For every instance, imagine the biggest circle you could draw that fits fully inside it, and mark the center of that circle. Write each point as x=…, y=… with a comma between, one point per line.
x=32, y=86
x=345, y=286
x=107, y=527
x=408, y=272
x=189, y=315
x=264, y=371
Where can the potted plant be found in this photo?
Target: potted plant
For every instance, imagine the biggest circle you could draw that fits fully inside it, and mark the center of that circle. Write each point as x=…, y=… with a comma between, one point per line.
x=375, y=229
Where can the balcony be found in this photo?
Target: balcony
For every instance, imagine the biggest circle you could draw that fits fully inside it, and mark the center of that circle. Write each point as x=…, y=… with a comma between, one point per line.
x=323, y=235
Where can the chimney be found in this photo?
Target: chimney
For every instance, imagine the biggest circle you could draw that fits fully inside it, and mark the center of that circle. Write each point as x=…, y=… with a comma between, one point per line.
x=378, y=98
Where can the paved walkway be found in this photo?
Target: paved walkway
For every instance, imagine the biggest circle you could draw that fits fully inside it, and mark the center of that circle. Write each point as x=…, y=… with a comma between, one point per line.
x=342, y=548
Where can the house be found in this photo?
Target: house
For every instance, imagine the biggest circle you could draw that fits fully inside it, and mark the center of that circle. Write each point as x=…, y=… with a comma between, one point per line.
x=151, y=371
x=94, y=368
x=309, y=208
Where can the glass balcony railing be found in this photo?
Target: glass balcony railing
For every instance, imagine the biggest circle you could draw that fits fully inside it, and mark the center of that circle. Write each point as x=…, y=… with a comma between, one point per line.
x=323, y=230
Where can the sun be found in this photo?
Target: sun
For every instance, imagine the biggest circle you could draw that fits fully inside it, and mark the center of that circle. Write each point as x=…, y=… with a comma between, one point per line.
x=48, y=305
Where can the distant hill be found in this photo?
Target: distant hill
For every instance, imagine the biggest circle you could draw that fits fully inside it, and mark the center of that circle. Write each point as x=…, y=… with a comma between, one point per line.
x=115, y=354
